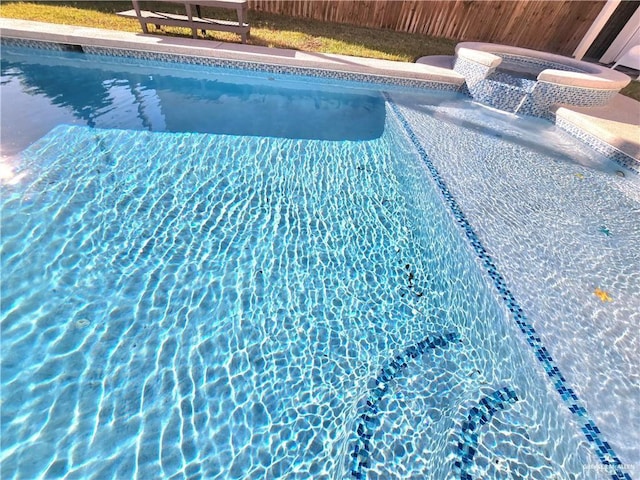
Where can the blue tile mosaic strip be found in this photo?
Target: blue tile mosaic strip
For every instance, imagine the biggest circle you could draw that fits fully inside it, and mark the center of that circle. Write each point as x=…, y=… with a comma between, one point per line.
x=240, y=64
x=365, y=425
x=603, y=148
x=603, y=450
x=20, y=42
x=477, y=417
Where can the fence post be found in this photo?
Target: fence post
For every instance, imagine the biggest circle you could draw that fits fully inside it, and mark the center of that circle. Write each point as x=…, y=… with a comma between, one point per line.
x=596, y=27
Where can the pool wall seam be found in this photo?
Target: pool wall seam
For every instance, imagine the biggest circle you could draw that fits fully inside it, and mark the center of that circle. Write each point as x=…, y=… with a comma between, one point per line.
x=592, y=433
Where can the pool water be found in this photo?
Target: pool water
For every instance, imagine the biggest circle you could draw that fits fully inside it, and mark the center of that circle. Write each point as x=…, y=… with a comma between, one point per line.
x=163, y=98
x=197, y=299
x=563, y=225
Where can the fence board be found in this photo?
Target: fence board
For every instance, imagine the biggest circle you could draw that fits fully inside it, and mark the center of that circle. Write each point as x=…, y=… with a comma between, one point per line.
x=553, y=26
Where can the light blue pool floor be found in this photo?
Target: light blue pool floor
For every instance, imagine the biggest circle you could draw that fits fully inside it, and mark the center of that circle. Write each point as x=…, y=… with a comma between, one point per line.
x=560, y=222
x=169, y=317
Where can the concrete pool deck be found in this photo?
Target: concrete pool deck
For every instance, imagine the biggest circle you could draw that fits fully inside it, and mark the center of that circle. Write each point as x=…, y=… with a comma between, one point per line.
x=617, y=124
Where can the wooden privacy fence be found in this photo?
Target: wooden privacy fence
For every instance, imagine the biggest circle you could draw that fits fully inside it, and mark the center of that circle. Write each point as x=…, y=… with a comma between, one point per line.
x=552, y=26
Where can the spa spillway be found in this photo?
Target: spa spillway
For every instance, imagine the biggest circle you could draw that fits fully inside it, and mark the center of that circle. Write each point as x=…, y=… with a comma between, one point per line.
x=530, y=82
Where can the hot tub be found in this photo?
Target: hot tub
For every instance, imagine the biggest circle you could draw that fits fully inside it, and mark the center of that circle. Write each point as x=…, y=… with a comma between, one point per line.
x=530, y=82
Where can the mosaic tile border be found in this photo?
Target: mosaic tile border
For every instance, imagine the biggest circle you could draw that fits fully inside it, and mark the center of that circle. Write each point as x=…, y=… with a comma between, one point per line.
x=600, y=146
x=52, y=46
x=362, y=448
x=545, y=95
x=502, y=91
x=603, y=450
x=473, y=72
x=238, y=64
x=478, y=416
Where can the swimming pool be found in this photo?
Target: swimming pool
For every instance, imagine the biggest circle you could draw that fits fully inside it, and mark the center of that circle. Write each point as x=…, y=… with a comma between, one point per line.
x=210, y=273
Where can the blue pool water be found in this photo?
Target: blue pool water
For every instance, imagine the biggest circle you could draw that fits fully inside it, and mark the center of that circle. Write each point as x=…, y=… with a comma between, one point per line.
x=213, y=274
x=169, y=100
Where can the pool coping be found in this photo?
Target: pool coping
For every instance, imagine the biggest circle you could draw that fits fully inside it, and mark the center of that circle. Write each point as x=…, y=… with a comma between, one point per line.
x=421, y=75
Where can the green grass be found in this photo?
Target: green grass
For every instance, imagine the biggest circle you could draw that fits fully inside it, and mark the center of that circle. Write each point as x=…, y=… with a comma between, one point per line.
x=266, y=29
x=632, y=90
